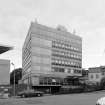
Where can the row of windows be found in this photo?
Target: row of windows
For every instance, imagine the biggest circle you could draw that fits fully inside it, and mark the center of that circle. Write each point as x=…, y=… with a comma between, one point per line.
x=55, y=69
x=27, y=49
x=26, y=62
x=65, y=63
x=28, y=65
x=27, y=59
x=94, y=76
x=77, y=71
x=103, y=73
x=26, y=70
x=76, y=66
x=58, y=70
x=66, y=55
x=26, y=54
x=62, y=45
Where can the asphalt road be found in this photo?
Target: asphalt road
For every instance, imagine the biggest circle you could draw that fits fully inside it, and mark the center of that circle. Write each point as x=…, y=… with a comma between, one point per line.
x=70, y=99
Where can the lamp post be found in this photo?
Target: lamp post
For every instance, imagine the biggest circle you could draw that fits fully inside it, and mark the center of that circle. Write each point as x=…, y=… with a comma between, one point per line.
x=14, y=76
x=29, y=80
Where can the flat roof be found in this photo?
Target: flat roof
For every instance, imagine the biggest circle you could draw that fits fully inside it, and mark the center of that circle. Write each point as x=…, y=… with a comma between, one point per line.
x=4, y=48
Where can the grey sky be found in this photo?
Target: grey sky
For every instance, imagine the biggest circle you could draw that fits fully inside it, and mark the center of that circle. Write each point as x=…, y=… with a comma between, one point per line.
x=87, y=17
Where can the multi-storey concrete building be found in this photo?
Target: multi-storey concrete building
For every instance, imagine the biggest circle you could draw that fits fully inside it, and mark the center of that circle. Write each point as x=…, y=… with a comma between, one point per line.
x=50, y=53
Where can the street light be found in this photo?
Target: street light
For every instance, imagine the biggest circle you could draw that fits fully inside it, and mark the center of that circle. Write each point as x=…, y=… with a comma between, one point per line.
x=14, y=76
x=29, y=80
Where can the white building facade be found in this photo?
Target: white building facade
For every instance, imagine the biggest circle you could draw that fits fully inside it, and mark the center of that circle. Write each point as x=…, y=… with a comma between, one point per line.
x=50, y=52
x=96, y=74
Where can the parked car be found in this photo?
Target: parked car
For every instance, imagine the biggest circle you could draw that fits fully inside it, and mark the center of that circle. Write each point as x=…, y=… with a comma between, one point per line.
x=30, y=93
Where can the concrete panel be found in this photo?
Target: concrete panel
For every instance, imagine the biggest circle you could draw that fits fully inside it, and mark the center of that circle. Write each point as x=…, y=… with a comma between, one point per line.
x=4, y=71
x=41, y=42
x=42, y=60
x=35, y=80
x=41, y=51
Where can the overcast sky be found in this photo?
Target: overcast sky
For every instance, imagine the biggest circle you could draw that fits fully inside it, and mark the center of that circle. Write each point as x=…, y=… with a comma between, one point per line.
x=87, y=17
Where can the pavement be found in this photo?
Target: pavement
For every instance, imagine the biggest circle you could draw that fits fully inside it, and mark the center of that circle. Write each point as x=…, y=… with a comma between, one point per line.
x=69, y=99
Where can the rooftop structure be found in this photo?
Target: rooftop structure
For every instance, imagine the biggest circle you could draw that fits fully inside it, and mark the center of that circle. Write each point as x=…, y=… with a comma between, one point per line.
x=97, y=69
x=4, y=48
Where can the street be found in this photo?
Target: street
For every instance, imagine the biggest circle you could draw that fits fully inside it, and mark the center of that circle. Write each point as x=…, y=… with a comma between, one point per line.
x=69, y=99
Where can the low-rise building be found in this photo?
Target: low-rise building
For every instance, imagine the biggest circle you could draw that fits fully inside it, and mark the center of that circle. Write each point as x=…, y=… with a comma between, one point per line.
x=96, y=74
x=4, y=73
x=4, y=66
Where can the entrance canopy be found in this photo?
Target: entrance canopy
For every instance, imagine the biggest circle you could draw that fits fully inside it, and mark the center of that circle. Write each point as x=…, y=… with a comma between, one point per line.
x=4, y=48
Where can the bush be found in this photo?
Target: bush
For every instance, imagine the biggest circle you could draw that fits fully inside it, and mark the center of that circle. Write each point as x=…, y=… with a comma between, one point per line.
x=89, y=87
x=70, y=89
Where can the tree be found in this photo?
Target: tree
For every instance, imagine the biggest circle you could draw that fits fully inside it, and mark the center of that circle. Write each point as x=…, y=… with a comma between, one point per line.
x=18, y=76
x=102, y=83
